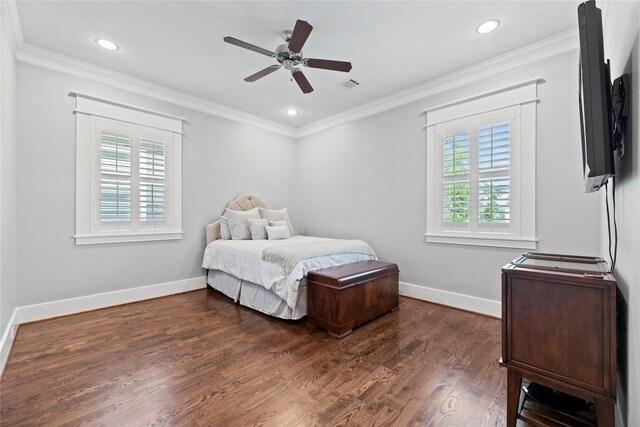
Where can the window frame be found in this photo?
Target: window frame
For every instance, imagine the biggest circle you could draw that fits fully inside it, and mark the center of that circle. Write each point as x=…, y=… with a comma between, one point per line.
x=94, y=114
x=520, y=100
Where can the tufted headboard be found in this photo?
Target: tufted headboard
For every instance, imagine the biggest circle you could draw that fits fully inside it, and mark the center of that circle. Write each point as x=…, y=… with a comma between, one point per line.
x=241, y=203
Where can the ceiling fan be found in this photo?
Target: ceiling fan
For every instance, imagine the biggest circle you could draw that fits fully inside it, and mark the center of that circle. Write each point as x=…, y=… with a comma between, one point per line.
x=289, y=55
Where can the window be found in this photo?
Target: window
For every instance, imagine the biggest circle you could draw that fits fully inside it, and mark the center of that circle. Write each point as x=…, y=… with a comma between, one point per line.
x=481, y=169
x=474, y=180
x=128, y=173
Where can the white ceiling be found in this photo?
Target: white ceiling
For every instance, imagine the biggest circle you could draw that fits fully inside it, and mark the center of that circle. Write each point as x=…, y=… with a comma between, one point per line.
x=392, y=45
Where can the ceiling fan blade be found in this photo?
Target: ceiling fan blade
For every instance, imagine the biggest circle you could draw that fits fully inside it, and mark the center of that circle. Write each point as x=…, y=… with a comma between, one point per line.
x=327, y=64
x=260, y=74
x=300, y=34
x=302, y=81
x=249, y=46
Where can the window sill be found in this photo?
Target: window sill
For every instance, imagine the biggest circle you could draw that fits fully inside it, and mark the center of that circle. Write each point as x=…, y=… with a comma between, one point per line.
x=127, y=238
x=496, y=242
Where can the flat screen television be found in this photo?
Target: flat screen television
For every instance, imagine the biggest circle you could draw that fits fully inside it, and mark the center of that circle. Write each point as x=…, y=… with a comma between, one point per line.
x=595, y=100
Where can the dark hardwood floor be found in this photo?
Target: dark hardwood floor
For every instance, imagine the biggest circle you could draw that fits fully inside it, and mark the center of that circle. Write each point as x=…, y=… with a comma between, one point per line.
x=199, y=359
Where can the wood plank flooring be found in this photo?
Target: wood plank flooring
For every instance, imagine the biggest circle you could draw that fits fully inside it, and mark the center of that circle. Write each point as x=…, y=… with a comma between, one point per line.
x=198, y=359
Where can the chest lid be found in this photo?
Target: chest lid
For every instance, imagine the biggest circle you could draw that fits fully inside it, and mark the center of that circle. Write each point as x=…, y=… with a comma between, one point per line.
x=351, y=274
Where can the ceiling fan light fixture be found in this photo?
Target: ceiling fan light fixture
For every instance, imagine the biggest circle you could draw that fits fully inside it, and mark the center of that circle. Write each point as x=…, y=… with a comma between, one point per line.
x=107, y=44
x=488, y=26
x=291, y=112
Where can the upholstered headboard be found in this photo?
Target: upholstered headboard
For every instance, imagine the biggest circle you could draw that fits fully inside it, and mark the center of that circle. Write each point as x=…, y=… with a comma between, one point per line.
x=241, y=203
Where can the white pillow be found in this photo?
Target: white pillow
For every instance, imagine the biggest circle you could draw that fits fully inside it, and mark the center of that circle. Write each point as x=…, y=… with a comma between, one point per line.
x=276, y=223
x=239, y=223
x=277, y=215
x=225, y=234
x=278, y=232
x=258, y=230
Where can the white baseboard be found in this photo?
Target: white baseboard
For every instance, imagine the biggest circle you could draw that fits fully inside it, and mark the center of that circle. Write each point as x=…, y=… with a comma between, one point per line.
x=31, y=313
x=47, y=310
x=7, y=340
x=452, y=299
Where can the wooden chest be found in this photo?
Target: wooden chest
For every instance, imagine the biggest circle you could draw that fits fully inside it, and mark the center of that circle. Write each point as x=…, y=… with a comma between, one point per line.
x=341, y=298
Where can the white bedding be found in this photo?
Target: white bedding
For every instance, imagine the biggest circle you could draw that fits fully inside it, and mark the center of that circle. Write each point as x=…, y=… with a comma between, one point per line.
x=243, y=259
x=258, y=297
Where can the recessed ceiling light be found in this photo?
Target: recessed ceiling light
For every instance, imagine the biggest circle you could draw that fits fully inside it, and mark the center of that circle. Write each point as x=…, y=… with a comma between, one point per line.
x=487, y=27
x=291, y=112
x=107, y=44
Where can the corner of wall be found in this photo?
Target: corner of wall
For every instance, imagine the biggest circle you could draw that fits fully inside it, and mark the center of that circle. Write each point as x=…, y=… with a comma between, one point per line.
x=8, y=179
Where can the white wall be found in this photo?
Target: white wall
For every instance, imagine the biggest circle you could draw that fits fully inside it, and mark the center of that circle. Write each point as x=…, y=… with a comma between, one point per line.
x=221, y=159
x=8, y=147
x=622, y=46
x=366, y=179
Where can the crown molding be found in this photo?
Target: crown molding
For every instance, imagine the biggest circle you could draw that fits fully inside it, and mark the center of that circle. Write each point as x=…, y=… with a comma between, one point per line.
x=57, y=62
x=9, y=9
x=546, y=48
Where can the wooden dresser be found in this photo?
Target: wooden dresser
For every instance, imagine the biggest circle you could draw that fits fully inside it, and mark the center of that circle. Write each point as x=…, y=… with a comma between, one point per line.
x=341, y=298
x=559, y=329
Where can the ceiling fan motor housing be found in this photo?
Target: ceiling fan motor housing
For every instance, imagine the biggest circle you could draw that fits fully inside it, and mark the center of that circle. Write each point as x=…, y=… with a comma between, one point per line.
x=286, y=57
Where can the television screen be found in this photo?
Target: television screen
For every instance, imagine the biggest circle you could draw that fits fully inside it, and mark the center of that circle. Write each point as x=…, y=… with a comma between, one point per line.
x=595, y=100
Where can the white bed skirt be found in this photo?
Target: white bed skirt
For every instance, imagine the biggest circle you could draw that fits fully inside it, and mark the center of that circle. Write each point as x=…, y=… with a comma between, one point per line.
x=257, y=297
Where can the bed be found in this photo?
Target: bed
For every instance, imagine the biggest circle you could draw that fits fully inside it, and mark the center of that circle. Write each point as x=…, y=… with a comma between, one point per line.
x=270, y=275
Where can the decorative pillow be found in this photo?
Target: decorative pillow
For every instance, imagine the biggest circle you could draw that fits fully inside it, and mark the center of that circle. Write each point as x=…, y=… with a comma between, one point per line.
x=225, y=234
x=277, y=223
x=278, y=232
x=239, y=223
x=277, y=215
x=258, y=230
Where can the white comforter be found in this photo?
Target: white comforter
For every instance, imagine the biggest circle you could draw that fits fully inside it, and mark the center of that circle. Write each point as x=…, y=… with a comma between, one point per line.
x=243, y=259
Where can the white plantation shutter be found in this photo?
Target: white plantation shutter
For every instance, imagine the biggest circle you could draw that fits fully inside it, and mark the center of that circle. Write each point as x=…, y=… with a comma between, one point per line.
x=152, y=179
x=455, y=154
x=494, y=146
x=115, y=153
x=151, y=202
x=152, y=158
x=115, y=200
x=475, y=173
x=455, y=204
x=455, y=177
x=494, y=160
x=493, y=200
x=132, y=177
x=115, y=177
